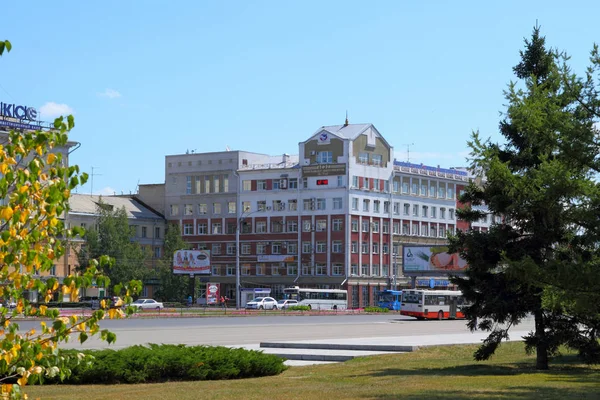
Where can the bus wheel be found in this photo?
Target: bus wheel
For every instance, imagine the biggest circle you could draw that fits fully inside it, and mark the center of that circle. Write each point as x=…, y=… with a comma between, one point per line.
x=441, y=315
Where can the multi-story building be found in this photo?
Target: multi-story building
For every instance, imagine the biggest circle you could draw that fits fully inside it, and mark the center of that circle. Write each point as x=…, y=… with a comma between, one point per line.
x=334, y=216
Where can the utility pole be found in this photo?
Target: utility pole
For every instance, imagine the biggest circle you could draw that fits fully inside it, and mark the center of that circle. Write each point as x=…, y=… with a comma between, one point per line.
x=408, y=151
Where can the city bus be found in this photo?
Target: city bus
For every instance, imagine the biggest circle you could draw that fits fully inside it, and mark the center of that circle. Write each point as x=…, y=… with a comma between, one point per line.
x=432, y=304
x=390, y=299
x=318, y=299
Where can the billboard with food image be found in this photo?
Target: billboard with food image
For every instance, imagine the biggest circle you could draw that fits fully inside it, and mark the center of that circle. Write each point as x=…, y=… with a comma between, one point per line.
x=431, y=259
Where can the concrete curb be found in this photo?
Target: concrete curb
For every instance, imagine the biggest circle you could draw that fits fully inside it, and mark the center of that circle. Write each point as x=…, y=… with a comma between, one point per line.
x=333, y=346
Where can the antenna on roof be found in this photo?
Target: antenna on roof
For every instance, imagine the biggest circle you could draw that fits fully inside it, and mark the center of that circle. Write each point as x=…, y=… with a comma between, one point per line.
x=408, y=151
x=346, y=123
x=92, y=183
x=227, y=148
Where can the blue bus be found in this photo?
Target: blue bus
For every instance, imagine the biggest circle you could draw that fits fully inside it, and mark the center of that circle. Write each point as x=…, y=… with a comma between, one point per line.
x=390, y=299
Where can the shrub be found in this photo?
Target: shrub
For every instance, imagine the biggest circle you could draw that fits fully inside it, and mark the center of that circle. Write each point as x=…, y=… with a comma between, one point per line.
x=299, y=308
x=376, y=310
x=159, y=363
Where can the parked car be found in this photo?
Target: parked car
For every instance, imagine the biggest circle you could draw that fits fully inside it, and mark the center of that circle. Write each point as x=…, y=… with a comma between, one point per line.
x=260, y=303
x=147, y=304
x=283, y=304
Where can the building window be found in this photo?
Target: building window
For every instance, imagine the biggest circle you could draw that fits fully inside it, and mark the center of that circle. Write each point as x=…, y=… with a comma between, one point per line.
x=354, y=225
x=450, y=192
x=321, y=269
x=230, y=249
x=188, y=229
x=354, y=269
x=216, y=228
x=338, y=269
x=376, y=159
x=321, y=204
x=231, y=207
x=363, y=158
x=278, y=205
x=293, y=183
x=375, y=226
x=354, y=204
x=386, y=186
x=376, y=185
x=306, y=247
x=261, y=248
x=292, y=269
x=442, y=213
x=364, y=270
x=174, y=209
x=451, y=213
x=277, y=226
x=306, y=225
x=365, y=247
x=354, y=247
x=386, y=207
x=306, y=269
x=216, y=208
x=157, y=232
x=216, y=184
x=261, y=184
x=406, y=209
x=405, y=230
x=304, y=183
x=433, y=212
x=276, y=185
x=432, y=231
x=340, y=180
x=375, y=269
x=396, y=186
x=144, y=232
x=260, y=269
x=365, y=225
x=216, y=248
x=425, y=210
x=375, y=248
x=308, y=204
x=355, y=181
x=261, y=205
x=245, y=269
x=261, y=226
x=293, y=205
x=337, y=225
x=336, y=246
x=337, y=203
x=246, y=248
x=324, y=157
x=321, y=247
x=246, y=186
x=424, y=188
x=396, y=228
x=202, y=209
x=442, y=231
x=207, y=184
x=188, y=185
x=432, y=189
x=365, y=205
x=425, y=230
x=415, y=187
x=230, y=269
x=292, y=225
x=386, y=248
x=441, y=190
x=386, y=227
x=376, y=204
x=405, y=185
x=321, y=225
x=202, y=229
x=216, y=270
x=156, y=251
x=276, y=248
x=415, y=210
x=415, y=228
x=275, y=269
x=292, y=248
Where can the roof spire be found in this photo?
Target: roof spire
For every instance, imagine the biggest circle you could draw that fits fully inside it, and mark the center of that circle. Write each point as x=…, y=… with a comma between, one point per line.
x=346, y=123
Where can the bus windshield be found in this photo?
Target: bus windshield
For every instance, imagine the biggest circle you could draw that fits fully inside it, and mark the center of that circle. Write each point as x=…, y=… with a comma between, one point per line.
x=386, y=297
x=413, y=298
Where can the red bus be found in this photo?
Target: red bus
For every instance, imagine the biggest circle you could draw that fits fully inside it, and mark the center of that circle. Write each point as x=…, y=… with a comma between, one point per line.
x=432, y=304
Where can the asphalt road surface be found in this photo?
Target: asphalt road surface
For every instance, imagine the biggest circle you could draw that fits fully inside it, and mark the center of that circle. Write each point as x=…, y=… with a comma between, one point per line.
x=255, y=329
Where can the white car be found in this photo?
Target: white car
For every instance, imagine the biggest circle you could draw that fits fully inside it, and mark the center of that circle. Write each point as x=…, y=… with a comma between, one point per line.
x=283, y=304
x=147, y=304
x=262, y=303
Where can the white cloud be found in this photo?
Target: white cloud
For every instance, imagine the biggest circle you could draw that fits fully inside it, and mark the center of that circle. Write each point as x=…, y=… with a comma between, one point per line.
x=107, y=191
x=53, y=110
x=110, y=93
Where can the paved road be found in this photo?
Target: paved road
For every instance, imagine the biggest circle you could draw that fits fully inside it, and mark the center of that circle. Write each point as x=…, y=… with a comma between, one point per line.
x=255, y=329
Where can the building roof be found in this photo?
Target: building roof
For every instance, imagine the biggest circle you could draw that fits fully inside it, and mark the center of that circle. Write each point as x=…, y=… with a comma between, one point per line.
x=88, y=204
x=350, y=131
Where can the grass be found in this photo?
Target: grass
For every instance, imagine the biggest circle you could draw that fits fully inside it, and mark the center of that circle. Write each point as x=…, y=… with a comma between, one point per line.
x=434, y=373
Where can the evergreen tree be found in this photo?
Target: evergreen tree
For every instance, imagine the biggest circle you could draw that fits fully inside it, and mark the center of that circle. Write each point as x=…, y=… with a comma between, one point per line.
x=172, y=287
x=543, y=259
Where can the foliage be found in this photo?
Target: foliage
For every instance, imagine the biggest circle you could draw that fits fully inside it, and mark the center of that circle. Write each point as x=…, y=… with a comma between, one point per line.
x=172, y=287
x=159, y=363
x=113, y=237
x=376, y=310
x=543, y=258
x=5, y=45
x=35, y=185
x=298, y=308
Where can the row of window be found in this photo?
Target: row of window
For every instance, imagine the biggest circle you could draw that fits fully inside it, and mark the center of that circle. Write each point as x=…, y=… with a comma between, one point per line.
x=203, y=184
x=370, y=159
x=289, y=269
x=337, y=246
x=404, y=228
x=281, y=184
x=425, y=211
x=138, y=231
x=412, y=186
x=202, y=208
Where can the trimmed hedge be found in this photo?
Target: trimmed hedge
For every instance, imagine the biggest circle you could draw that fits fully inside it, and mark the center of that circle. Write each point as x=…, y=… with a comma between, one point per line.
x=299, y=308
x=160, y=363
x=376, y=309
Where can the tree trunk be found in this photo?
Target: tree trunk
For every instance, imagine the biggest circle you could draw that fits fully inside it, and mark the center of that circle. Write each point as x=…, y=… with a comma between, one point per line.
x=541, y=361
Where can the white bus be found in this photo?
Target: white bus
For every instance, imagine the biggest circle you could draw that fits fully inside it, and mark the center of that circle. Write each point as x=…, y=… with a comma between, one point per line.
x=432, y=304
x=318, y=299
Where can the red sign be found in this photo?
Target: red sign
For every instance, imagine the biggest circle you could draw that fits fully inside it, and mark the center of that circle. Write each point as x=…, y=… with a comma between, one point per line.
x=212, y=293
x=322, y=181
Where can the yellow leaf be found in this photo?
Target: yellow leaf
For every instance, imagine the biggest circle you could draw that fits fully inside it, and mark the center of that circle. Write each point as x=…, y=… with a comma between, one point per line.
x=39, y=356
x=23, y=189
x=22, y=381
x=112, y=313
x=4, y=168
x=51, y=158
x=6, y=213
x=103, y=303
x=39, y=150
x=43, y=310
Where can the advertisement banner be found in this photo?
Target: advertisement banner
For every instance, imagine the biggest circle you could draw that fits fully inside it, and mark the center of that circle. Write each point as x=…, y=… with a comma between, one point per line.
x=192, y=262
x=431, y=259
x=212, y=293
x=275, y=258
x=324, y=170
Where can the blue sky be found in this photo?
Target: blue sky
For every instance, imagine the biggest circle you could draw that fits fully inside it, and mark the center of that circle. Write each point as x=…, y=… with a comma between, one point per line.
x=149, y=78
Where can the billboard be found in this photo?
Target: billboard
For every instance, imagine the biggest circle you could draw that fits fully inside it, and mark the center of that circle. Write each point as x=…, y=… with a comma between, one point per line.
x=431, y=259
x=324, y=170
x=192, y=262
x=212, y=293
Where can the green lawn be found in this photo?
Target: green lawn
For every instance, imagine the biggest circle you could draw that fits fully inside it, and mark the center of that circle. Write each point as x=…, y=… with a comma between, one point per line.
x=447, y=372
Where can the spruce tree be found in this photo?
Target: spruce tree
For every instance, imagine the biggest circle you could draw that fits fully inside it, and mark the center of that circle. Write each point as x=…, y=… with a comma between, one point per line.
x=542, y=260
